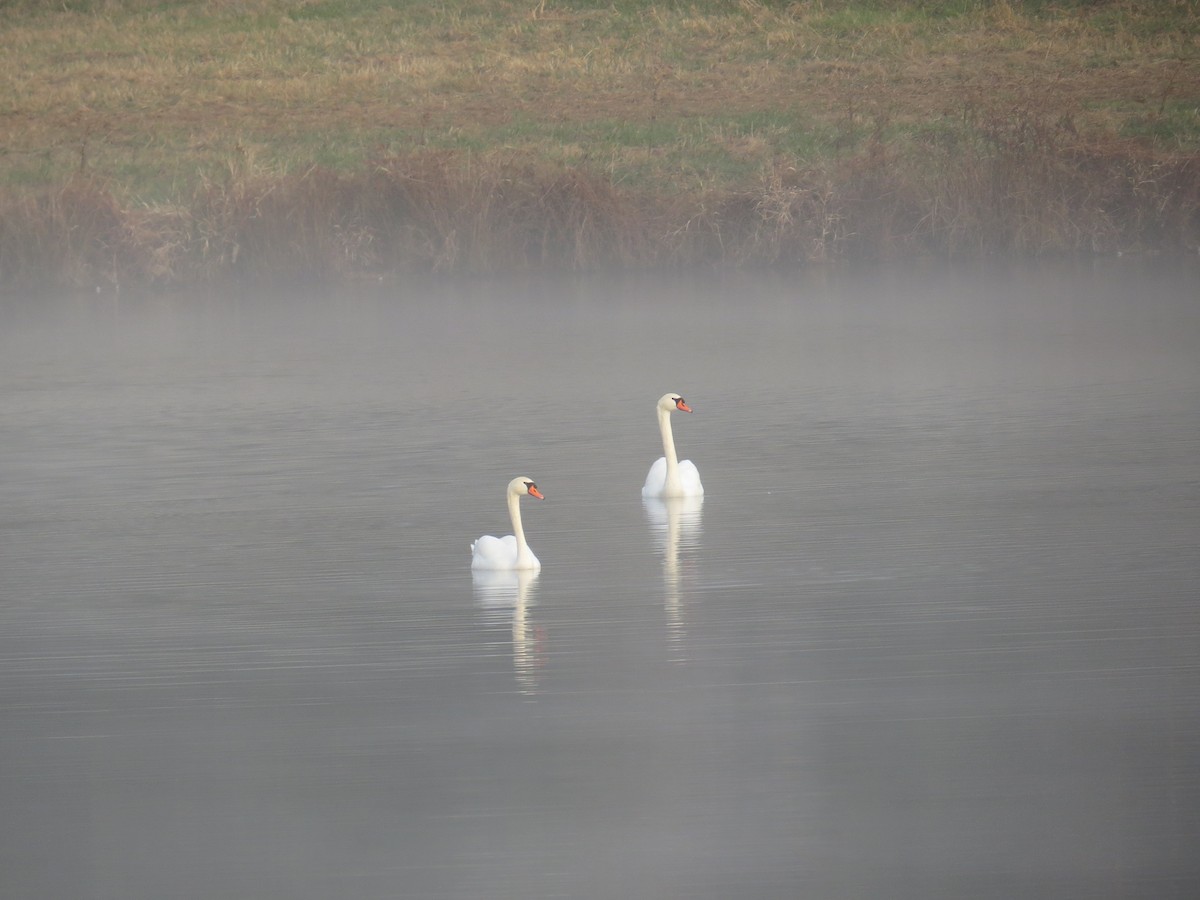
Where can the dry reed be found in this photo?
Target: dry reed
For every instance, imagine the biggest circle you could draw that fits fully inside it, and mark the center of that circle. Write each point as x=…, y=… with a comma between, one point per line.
x=1022, y=192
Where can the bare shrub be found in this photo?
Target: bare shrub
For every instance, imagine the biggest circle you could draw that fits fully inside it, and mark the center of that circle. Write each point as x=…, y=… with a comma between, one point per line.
x=441, y=212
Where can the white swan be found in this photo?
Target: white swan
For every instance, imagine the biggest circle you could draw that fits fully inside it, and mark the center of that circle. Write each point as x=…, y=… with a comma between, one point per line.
x=669, y=477
x=510, y=551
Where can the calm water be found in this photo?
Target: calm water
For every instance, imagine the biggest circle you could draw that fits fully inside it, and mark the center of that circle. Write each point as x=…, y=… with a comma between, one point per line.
x=933, y=633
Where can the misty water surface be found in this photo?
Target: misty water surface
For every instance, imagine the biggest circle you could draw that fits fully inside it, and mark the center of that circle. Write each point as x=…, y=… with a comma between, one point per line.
x=933, y=631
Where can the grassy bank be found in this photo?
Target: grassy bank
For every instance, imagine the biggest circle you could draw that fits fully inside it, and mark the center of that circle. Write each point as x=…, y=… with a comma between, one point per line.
x=169, y=143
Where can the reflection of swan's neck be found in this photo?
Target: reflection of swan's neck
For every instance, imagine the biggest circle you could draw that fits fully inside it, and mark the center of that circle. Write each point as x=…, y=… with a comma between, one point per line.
x=525, y=662
x=671, y=564
x=678, y=521
x=514, y=513
x=505, y=592
x=671, y=548
x=668, y=439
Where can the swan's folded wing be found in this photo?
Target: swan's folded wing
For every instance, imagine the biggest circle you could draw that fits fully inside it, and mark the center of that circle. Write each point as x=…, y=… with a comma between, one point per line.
x=656, y=478
x=494, y=553
x=689, y=477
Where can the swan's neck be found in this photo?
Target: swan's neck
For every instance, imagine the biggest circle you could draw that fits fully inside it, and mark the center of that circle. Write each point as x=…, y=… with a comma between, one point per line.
x=668, y=439
x=514, y=513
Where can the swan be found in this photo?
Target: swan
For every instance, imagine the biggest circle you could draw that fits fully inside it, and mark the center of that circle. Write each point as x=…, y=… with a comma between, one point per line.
x=510, y=551
x=669, y=477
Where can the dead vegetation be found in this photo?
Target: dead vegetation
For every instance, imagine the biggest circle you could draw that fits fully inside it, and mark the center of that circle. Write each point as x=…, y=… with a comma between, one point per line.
x=160, y=144
x=432, y=212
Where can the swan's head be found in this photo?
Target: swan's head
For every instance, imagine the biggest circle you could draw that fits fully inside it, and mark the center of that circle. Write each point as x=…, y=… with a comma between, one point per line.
x=673, y=401
x=523, y=485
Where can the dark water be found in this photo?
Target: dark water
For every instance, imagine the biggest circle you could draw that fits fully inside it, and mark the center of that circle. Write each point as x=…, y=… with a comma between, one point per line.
x=934, y=631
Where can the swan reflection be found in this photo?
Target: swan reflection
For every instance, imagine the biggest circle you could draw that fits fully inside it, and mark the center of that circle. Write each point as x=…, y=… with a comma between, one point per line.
x=676, y=523
x=504, y=594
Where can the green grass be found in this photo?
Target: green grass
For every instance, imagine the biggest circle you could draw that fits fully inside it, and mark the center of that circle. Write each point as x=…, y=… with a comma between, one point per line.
x=1174, y=124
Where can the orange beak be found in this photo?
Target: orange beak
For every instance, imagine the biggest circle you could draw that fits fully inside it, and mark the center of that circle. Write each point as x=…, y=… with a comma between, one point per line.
x=680, y=405
x=534, y=492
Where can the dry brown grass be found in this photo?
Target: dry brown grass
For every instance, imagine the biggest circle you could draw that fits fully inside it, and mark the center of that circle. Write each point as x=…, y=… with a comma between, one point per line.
x=255, y=139
x=434, y=211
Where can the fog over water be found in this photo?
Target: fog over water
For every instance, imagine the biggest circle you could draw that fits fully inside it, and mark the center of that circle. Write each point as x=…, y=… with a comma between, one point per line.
x=933, y=632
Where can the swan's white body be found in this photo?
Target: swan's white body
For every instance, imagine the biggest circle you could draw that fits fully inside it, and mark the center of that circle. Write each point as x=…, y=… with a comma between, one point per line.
x=508, y=552
x=669, y=477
